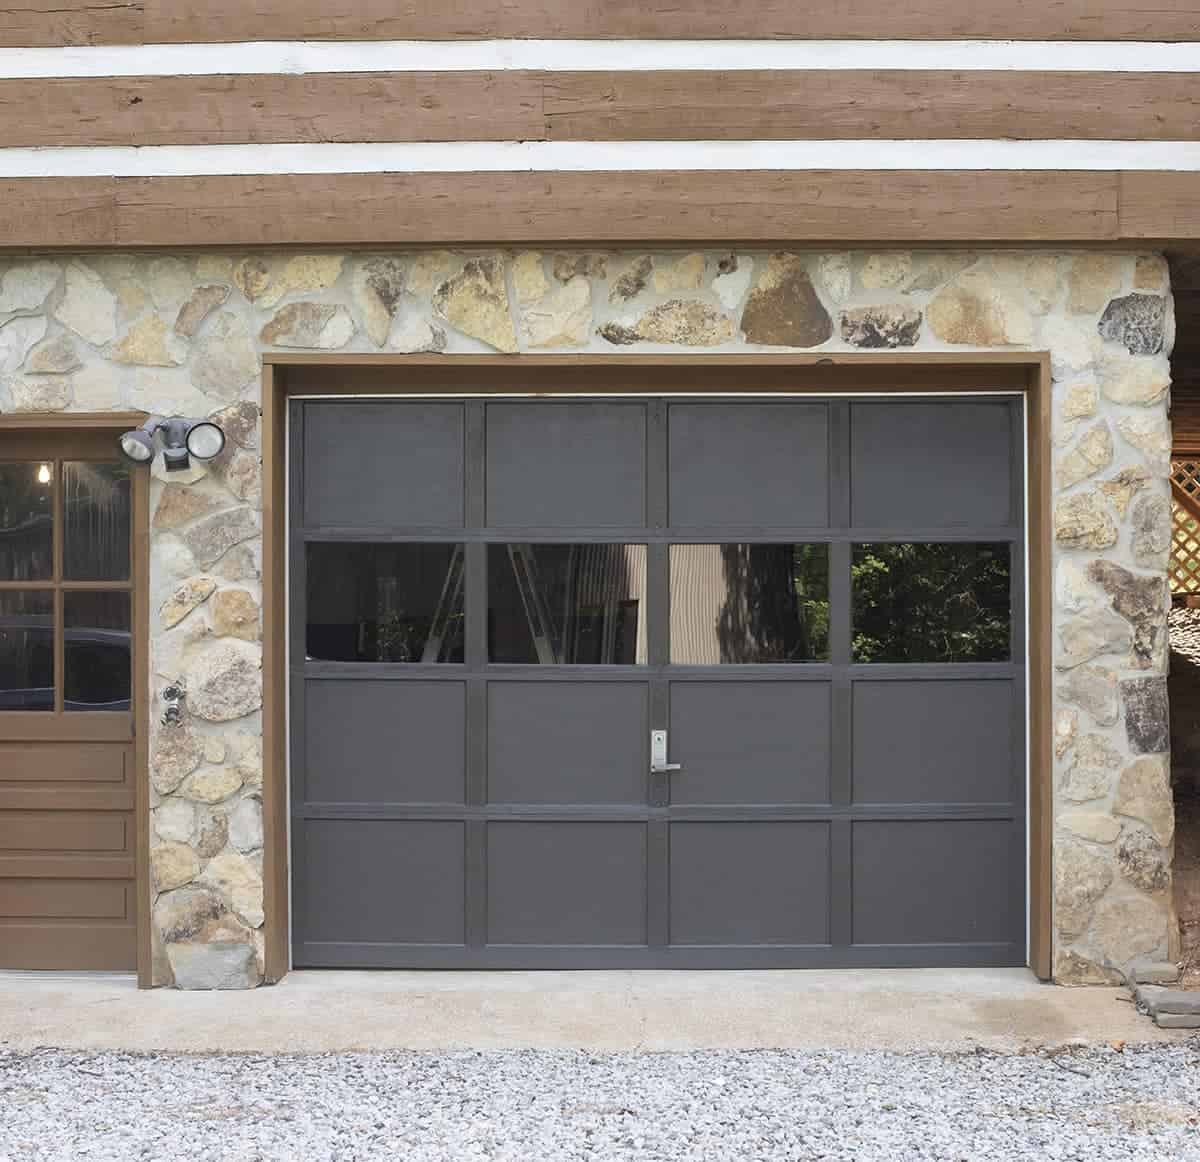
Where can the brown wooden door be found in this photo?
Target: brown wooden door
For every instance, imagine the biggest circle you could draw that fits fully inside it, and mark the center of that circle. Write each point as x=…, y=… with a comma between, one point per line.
x=68, y=673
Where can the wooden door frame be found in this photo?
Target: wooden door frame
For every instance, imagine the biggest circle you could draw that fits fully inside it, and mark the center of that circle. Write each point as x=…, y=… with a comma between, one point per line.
x=931, y=373
x=64, y=423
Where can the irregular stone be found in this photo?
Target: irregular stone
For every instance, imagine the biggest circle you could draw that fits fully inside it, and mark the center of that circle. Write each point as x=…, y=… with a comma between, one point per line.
x=239, y=422
x=214, y=268
x=249, y=760
x=43, y=394
x=190, y=595
x=1158, y=999
x=682, y=274
x=175, y=820
x=413, y=335
x=632, y=280
x=974, y=310
x=930, y=271
x=148, y=345
x=529, y=279
x=1151, y=524
x=175, y=755
x=429, y=269
x=1080, y=402
x=378, y=286
x=223, y=964
x=1141, y=601
x=213, y=535
x=569, y=266
x=55, y=356
x=890, y=326
x=1082, y=521
x=214, y=829
x=224, y=683
x=214, y=749
x=1147, y=716
x=1094, y=690
x=687, y=322
x=25, y=287
x=1070, y=346
x=235, y=614
x=239, y=564
x=1142, y=862
x=237, y=878
x=246, y=825
x=1122, y=488
x=1093, y=452
x=1073, y=590
x=185, y=913
x=172, y=865
x=226, y=358
x=475, y=302
x=1153, y=972
x=98, y=388
x=180, y=504
x=17, y=338
x=305, y=272
x=1091, y=774
x=1084, y=638
x=733, y=280
x=1151, y=436
x=238, y=471
x=1066, y=728
x=170, y=281
x=1091, y=825
x=1092, y=281
x=211, y=785
x=783, y=309
x=1144, y=793
x=1150, y=272
x=1136, y=322
x=835, y=276
x=885, y=270
x=1136, y=381
x=252, y=277
x=1081, y=877
x=203, y=301
x=88, y=307
x=170, y=557
x=1042, y=281
x=1072, y=969
x=562, y=318
x=324, y=326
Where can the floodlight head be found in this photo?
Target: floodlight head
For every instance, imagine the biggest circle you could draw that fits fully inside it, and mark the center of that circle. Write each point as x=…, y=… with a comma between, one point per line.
x=180, y=438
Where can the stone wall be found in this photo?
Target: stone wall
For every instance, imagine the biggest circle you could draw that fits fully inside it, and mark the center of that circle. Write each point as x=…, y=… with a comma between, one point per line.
x=183, y=335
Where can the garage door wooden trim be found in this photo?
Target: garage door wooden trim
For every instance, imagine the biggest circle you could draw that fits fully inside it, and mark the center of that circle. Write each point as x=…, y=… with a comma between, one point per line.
x=48, y=434
x=1028, y=373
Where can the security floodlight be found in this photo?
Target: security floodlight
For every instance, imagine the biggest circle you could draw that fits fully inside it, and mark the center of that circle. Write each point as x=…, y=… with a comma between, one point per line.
x=181, y=439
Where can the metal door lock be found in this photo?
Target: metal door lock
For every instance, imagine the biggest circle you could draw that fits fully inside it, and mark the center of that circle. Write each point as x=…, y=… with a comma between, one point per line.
x=658, y=754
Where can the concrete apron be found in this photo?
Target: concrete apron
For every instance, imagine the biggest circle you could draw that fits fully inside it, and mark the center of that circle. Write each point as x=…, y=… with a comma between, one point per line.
x=884, y=1009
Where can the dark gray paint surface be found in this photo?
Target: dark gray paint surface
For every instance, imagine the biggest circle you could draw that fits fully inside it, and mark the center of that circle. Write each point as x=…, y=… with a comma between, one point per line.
x=476, y=815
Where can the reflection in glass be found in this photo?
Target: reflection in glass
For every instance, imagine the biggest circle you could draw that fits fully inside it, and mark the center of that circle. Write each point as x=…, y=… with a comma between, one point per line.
x=27, y=651
x=26, y=521
x=385, y=603
x=749, y=604
x=97, y=666
x=931, y=602
x=567, y=604
x=96, y=521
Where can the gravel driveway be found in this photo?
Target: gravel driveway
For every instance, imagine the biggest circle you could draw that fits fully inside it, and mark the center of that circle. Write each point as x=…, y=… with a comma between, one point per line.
x=1091, y=1105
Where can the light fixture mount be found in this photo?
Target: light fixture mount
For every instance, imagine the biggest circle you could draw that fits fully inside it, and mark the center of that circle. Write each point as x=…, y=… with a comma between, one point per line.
x=180, y=438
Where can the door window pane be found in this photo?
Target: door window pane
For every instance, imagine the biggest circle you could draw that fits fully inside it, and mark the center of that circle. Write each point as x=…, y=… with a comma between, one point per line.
x=567, y=604
x=96, y=521
x=741, y=603
x=385, y=603
x=26, y=521
x=932, y=602
x=27, y=651
x=97, y=645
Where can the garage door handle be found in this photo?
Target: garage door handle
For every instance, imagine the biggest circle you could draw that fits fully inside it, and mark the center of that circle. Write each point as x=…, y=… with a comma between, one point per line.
x=658, y=754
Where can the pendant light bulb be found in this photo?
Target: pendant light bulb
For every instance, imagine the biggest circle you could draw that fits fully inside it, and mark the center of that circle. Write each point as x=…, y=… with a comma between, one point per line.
x=43, y=474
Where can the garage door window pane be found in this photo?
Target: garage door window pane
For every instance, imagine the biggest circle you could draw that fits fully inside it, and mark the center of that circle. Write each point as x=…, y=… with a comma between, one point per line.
x=97, y=651
x=567, y=604
x=27, y=651
x=26, y=520
x=96, y=521
x=746, y=604
x=385, y=603
x=932, y=602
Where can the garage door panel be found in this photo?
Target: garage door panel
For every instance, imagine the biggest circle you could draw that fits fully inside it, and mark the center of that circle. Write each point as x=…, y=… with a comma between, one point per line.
x=28, y=762
x=383, y=464
x=933, y=881
x=564, y=883
x=766, y=465
x=404, y=884
x=385, y=741
x=933, y=741
x=747, y=883
x=750, y=742
x=65, y=899
x=579, y=465
x=567, y=742
x=58, y=831
x=923, y=465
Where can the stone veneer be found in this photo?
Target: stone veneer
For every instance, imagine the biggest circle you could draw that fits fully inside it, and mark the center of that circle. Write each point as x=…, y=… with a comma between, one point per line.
x=183, y=335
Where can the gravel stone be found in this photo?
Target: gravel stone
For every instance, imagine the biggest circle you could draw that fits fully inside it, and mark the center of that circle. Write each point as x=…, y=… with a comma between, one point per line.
x=1095, y=1104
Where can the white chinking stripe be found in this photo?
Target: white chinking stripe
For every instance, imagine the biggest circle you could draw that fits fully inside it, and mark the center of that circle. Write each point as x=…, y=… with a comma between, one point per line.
x=576, y=156
x=590, y=55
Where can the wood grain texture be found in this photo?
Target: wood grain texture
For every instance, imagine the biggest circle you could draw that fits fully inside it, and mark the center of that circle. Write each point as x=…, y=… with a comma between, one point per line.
x=47, y=23
x=1157, y=205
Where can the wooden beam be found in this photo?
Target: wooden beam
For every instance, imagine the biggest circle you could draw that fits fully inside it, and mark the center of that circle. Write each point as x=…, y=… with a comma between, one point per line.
x=47, y=23
x=1159, y=206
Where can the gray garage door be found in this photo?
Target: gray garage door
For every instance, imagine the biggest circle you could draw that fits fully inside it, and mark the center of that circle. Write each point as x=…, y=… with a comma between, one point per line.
x=646, y=682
